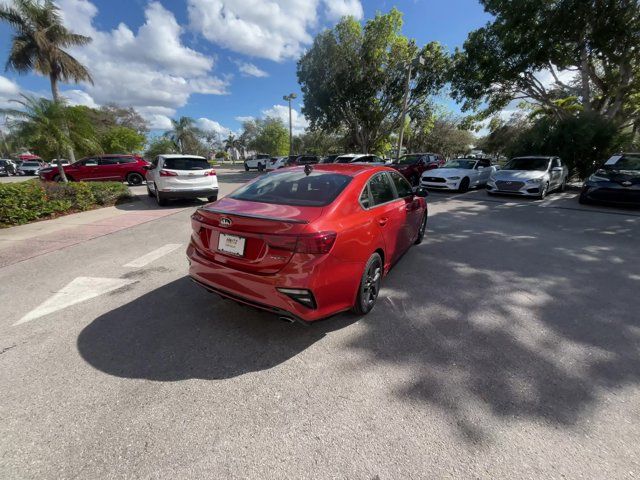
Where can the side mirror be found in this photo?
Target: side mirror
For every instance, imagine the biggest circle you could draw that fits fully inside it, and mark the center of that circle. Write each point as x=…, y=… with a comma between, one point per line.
x=480, y=167
x=557, y=169
x=421, y=192
x=148, y=167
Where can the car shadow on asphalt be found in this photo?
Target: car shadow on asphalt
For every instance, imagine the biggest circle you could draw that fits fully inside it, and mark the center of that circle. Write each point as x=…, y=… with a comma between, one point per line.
x=498, y=324
x=179, y=331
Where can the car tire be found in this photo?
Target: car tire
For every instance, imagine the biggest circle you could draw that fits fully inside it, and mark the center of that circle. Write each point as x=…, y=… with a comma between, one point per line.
x=246, y=167
x=414, y=180
x=135, y=179
x=421, y=230
x=563, y=186
x=212, y=199
x=369, y=287
x=160, y=199
x=544, y=191
x=583, y=200
x=149, y=192
x=260, y=167
x=464, y=185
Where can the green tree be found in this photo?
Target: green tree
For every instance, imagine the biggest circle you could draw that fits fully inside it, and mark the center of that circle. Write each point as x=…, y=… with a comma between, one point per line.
x=184, y=134
x=122, y=140
x=158, y=146
x=504, y=61
x=362, y=91
x=50, y=127
x=271, y=137
x=39, y=43
x=444, y=135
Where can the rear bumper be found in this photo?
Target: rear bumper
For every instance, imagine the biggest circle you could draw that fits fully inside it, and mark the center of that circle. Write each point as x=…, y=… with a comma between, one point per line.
x=200, y=193
x=333, y=283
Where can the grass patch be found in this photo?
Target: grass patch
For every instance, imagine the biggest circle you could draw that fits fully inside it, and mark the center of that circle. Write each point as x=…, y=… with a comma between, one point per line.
x=33, y=200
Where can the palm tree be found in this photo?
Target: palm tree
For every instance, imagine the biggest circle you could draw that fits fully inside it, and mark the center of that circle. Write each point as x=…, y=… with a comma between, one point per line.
x=38, y=44
x=51, y=126
x=183, y=130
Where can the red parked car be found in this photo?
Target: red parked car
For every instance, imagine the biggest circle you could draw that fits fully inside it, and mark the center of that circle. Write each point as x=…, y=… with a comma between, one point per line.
x=116, y=168
x=412, y=166
x=307, y=242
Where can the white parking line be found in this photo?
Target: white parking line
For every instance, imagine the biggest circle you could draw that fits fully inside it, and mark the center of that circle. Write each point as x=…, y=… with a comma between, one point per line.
x=79, y=290
x=153, y=256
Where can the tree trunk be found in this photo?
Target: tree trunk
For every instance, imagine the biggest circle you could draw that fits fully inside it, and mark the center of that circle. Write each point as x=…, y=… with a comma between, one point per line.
x=55, y=92
x=585, y=89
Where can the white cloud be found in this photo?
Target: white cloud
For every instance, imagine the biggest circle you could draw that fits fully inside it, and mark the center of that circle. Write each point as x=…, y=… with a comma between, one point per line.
x=79, y=97
x=272, y=29
x=245, y=118
x=250, y=70
x=209, y=125
x=8, y=91
x=336, y=9
x=298, y=121
x=149, y=69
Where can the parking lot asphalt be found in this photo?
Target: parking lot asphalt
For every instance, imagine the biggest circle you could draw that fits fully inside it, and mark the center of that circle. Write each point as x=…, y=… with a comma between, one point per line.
x=507, y=345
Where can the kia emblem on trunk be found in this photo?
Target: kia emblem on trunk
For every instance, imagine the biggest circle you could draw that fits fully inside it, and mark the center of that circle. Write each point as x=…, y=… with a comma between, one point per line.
x=225, y=222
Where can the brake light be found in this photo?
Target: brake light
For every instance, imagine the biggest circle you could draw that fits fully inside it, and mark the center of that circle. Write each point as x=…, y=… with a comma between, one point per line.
x=210, y=173
x=315, y=243
x=319, y=243
x=166, y=173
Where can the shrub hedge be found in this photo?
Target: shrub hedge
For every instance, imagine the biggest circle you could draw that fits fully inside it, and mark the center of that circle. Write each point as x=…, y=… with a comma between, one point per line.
x=32, y=200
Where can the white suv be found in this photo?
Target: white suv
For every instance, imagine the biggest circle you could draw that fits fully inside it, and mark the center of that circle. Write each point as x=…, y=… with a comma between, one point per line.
x=181, y=176
x=258, y=161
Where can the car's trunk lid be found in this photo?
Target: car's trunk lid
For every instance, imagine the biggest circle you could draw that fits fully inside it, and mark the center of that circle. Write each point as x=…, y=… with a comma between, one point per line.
x=251, y=236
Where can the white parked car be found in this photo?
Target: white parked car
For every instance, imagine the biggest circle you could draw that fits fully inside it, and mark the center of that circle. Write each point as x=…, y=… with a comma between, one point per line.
x=530, y=177
x=459, y=174
x=276, y=162
x=359, y=158
x=181, y=176
x=259, y=162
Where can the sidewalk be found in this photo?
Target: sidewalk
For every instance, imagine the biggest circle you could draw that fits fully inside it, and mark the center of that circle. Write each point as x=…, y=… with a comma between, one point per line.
x=27, y=241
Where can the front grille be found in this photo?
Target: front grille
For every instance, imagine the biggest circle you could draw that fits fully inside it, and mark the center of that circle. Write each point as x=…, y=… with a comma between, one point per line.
x=508, y=186
x=434, y=179
x=616, y=195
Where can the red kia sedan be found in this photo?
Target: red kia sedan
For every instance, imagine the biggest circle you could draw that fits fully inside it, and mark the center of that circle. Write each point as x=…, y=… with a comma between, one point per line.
x=115, y=168
x=307, y=242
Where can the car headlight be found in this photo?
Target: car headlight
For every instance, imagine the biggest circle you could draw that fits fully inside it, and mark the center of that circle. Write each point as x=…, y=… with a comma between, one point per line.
x=534, y=180
x=597, y=178
x=453, y=178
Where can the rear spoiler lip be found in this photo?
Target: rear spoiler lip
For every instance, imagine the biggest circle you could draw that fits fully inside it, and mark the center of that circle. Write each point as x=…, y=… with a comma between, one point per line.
x=261, y=217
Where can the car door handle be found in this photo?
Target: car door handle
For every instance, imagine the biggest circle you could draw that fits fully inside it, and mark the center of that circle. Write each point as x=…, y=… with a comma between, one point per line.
x=383, y=221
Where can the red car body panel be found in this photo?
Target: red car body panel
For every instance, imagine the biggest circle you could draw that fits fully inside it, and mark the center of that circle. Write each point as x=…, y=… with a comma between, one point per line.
x=429, y=161
x=108, y=172
x=269, y=261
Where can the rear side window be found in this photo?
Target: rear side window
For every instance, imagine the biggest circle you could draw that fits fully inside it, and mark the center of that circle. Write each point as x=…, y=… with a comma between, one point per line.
x=381, y=190
x=402, y=186
x=186, y=163
x=295, y=188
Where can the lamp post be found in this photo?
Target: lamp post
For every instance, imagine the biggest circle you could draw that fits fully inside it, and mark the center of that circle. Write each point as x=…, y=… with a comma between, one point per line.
x=420, y=60
x=288, y=98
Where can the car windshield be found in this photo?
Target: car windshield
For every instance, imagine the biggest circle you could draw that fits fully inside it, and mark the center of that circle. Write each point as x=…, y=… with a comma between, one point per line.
x=407, y=160
x=539, y=164
x=627, y=162
x=295, y=188
x=460, y=163
x=186, y=163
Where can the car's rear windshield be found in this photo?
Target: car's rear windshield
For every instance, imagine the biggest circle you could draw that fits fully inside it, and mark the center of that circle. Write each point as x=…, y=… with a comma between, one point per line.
x=295, y=188
x=186, y=163
x=527, y=164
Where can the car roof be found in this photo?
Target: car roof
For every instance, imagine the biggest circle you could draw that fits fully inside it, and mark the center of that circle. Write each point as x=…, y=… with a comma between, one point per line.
x=178, y=155
x=542, y=157
x=351, y=169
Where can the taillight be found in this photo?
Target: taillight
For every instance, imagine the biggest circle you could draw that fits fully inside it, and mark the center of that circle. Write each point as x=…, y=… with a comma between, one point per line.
x=166, y=173
x=319, y=243
x=210, y=173
x=315, y=243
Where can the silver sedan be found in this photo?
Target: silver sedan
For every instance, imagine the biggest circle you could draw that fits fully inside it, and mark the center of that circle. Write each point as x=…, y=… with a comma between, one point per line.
x=529, y=177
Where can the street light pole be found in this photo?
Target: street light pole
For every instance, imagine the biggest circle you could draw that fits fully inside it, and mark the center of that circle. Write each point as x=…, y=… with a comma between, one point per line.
x=420, y=60
x=288, y=98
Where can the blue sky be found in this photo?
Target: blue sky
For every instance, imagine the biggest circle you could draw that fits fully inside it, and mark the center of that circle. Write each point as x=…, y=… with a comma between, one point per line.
x=218, y=61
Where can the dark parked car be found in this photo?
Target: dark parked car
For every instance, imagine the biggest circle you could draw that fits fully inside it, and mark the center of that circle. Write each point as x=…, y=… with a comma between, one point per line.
x=303, y=160
x=330, y=158
x=117, y=168
x=412, y=166
x=617, y=182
